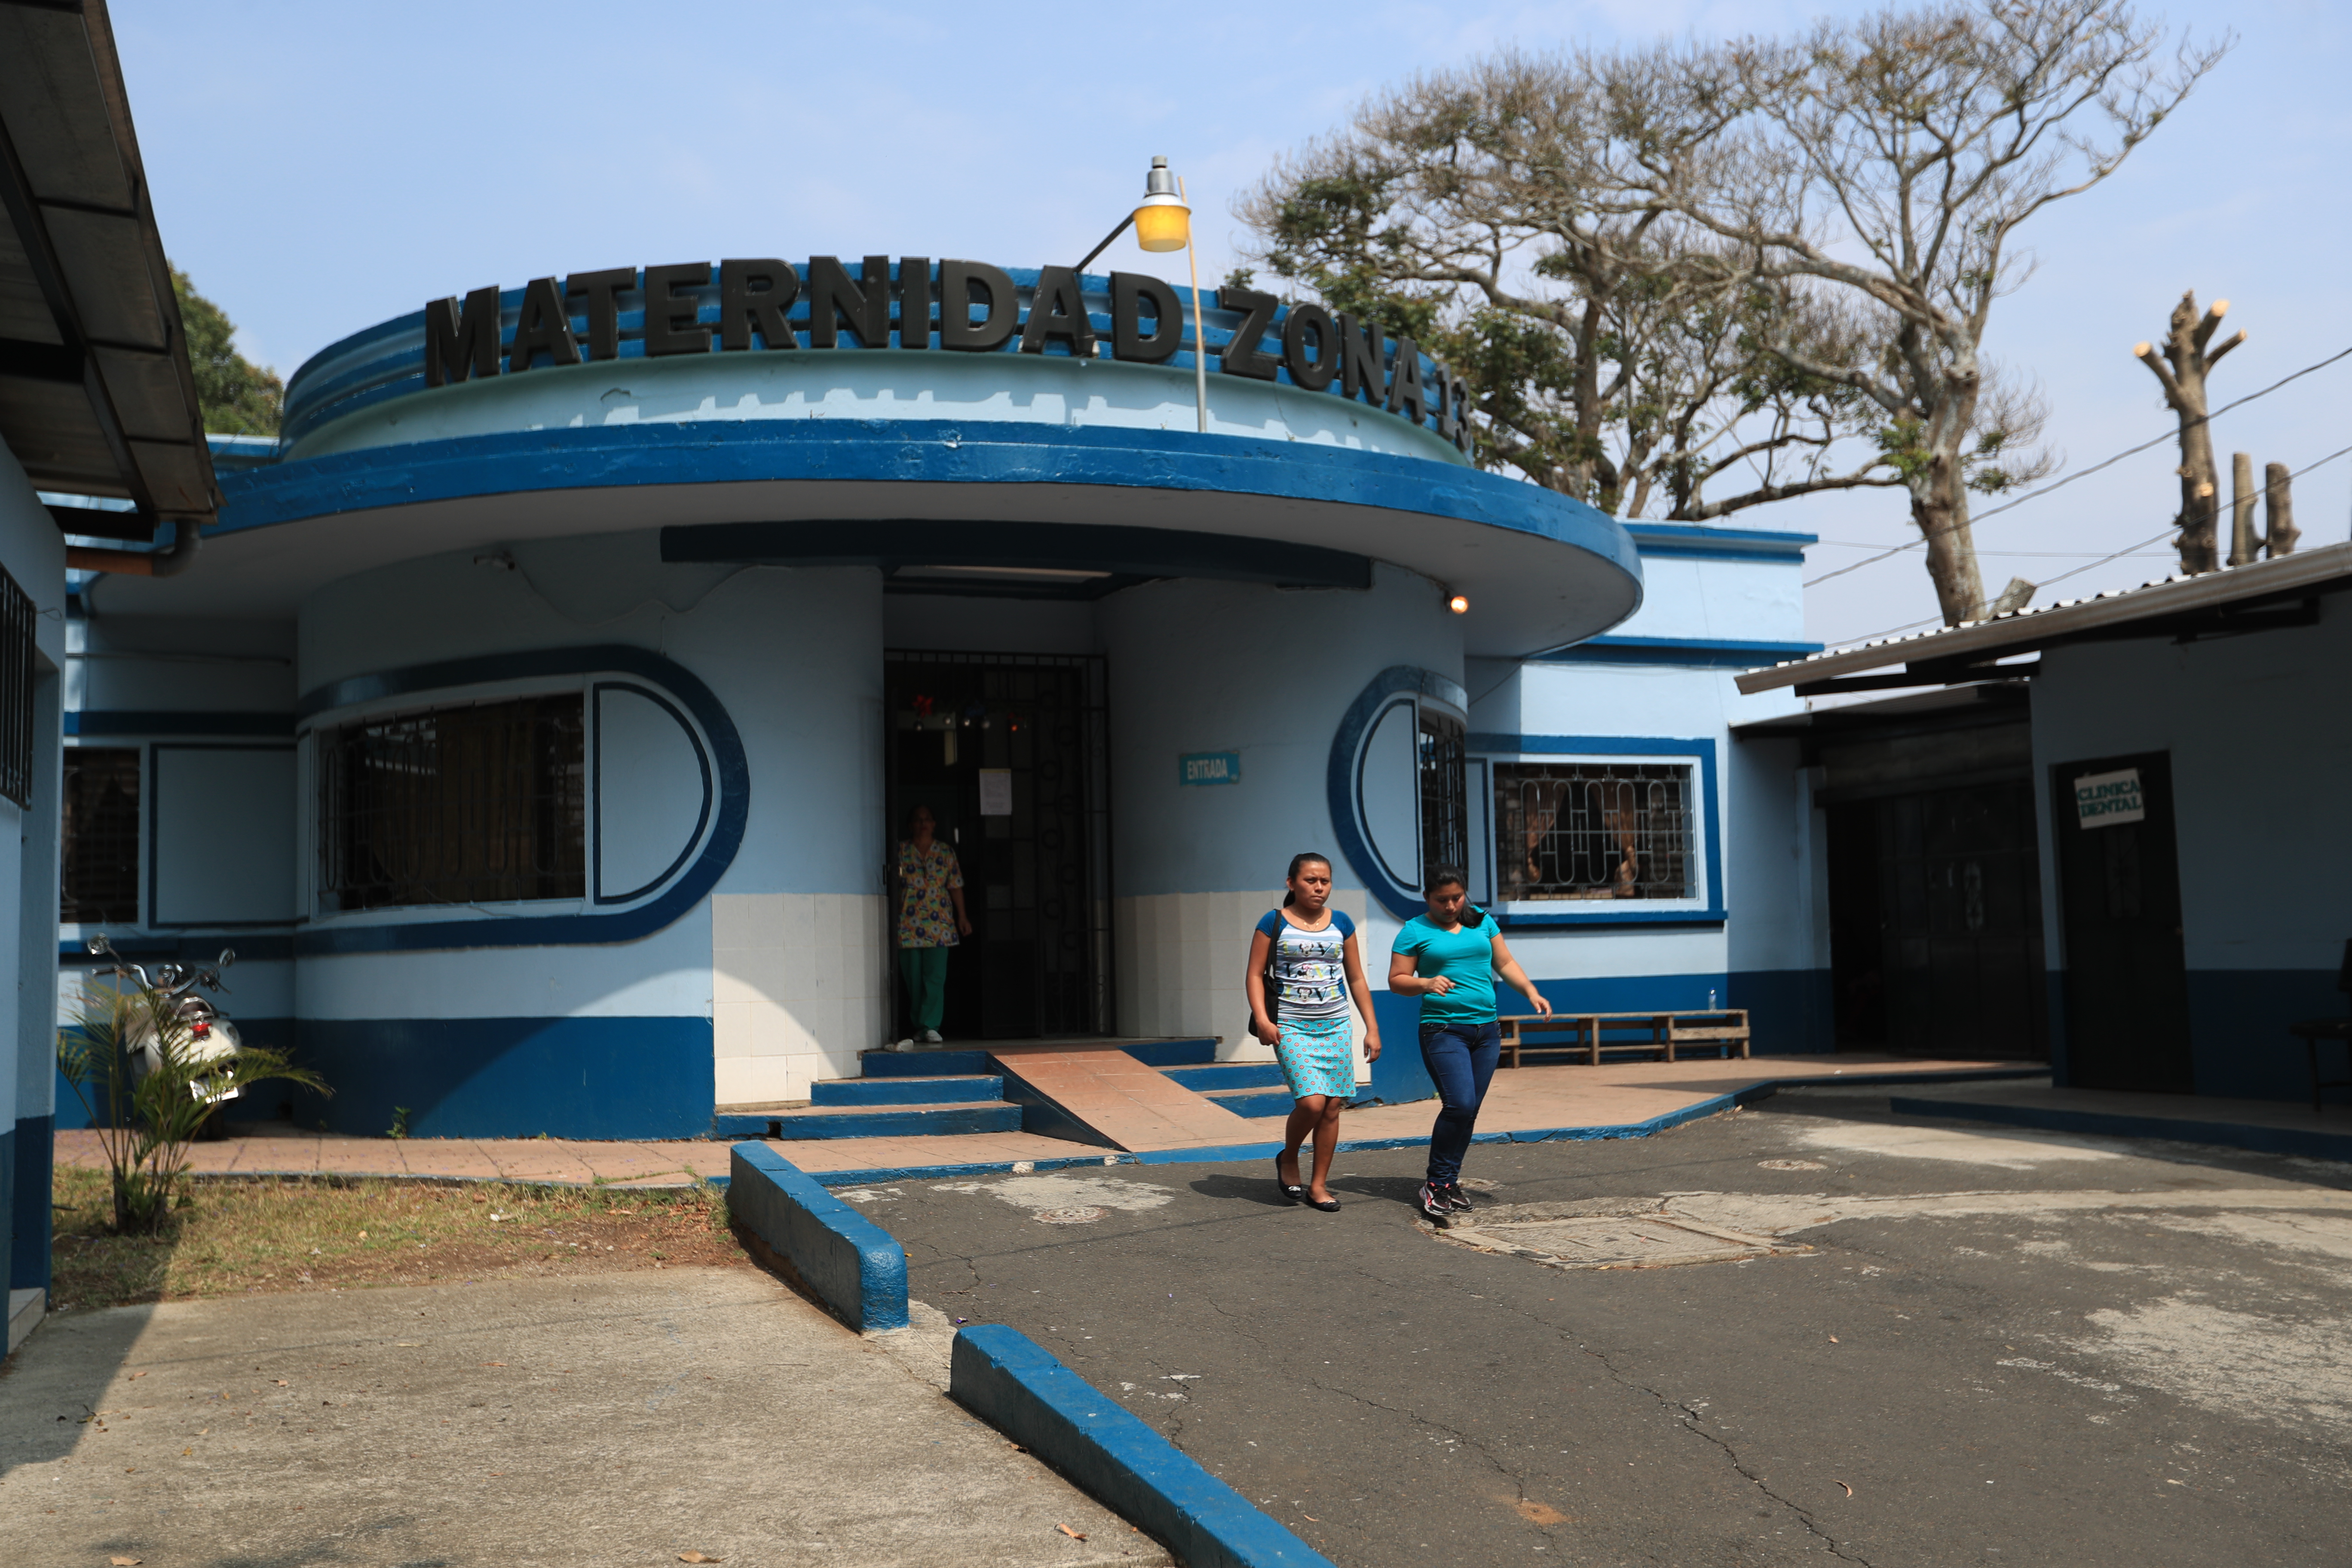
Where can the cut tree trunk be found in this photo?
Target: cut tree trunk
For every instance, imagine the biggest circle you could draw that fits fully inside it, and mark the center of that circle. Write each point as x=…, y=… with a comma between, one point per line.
x=2245, y=544
x=1943, y=522
x=2182, y=367
x=2279, y=540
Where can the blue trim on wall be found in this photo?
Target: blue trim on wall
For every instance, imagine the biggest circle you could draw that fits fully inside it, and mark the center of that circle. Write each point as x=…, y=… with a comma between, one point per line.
x=135, y=721
x=31, y=1157
x=597, y=822
x=907, y=452
x=1702, y=653
x=510, y=1077
x=199, y=945
x=1696, y=541
x=541, y=931
x=155, y=838
x=1497, y=745
x=1341, y=776
x=2238, y=1041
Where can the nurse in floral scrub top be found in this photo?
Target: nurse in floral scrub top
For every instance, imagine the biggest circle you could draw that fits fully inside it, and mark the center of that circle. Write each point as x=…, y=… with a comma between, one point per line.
x=931, y=919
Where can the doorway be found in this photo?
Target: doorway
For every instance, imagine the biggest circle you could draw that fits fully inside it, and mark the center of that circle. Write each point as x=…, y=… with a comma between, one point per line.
x=1010, y=753
x=1936, y=922
x=2119, y=896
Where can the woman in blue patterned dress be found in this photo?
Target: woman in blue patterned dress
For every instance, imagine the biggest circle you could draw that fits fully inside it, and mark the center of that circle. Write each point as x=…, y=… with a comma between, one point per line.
x=1302, y=969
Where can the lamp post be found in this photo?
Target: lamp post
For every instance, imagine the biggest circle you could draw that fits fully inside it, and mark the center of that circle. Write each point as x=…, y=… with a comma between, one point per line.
x=1163, y=221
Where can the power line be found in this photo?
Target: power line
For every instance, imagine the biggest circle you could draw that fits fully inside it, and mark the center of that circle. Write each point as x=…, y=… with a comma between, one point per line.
x=2081, y=474
x=2102, y=561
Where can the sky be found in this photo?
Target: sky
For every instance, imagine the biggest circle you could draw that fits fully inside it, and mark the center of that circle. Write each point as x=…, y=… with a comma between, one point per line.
x=317, y=169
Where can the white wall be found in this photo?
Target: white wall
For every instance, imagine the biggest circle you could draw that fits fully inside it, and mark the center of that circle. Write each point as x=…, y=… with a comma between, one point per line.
x=33, y=551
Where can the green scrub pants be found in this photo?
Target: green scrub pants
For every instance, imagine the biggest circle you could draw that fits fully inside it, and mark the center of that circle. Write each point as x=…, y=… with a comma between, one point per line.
x=925, y=971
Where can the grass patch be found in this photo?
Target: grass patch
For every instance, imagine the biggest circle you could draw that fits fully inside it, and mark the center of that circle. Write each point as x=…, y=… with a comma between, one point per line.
x=238, y=1237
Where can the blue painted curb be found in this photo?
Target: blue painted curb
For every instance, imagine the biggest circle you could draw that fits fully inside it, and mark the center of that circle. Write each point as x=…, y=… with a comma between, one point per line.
x=851, y=1263
x=1003, y=1376
x=2250, y=1136
x=978, y=1168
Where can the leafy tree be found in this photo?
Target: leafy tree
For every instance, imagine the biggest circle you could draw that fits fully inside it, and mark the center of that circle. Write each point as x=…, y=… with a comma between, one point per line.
x=236, y=396
x=1472, y=210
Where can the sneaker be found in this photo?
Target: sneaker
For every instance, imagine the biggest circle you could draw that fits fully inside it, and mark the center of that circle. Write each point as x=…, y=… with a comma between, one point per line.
x=1455, y=1198
x=1431, y=1201
x=905, y=1045
x=931, y=1037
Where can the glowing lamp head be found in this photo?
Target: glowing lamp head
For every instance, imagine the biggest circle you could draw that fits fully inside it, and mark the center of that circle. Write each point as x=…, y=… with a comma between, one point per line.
x=1162, y=221
x=1459, y=603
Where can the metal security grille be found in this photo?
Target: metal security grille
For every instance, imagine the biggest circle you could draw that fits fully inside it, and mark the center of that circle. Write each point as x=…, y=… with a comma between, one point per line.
x=16, y=693
x=1593, y=830
x=478, y=804
x=99, y=882
x=1444, y=798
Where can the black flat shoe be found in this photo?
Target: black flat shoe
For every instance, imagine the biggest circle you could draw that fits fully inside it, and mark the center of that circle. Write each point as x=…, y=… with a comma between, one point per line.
x=1328, y=1205
x=1295, y=1194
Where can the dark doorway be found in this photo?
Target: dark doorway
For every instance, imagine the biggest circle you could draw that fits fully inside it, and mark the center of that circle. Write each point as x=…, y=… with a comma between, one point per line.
x=2119, y=894
x=1936, y=922
x=1009, y=752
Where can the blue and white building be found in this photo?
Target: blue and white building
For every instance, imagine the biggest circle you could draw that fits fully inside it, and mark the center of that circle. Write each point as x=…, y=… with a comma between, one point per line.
x=537, y=718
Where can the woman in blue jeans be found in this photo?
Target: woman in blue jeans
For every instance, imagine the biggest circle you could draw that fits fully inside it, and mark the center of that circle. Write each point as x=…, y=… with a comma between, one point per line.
x=1449, y=958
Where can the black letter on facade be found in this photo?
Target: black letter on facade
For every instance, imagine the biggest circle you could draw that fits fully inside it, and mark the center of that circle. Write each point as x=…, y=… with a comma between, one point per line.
x=1057, y=309
x=1404, y=385
x=603, y=308
x=1361, y=372
x=458, y=346
x=1441, y=386
x=998, y=306
x=673, y=321
x=914, y=301
x=1315, y=374
x=1130, y=293
x=1243, y=354
x=1462, y=433
x=542, y=324
x=832, y=299
x=754, y=296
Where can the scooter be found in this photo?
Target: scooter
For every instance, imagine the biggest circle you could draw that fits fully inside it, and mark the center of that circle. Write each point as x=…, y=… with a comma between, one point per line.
x=211, y=1039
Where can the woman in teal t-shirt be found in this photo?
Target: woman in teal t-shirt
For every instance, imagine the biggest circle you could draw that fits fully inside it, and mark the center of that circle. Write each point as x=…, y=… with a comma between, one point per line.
x=1449, y=958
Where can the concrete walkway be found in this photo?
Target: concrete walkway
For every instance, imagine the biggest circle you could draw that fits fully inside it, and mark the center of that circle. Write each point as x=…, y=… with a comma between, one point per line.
x=2262, y=1126
x=1552, y=1101
x=612, y=1419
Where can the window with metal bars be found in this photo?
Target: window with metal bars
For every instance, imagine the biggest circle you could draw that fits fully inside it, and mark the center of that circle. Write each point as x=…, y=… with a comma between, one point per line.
x=1594, y=830
x=99, y=880
x=1445, y=798
x=16, y=659
x=485, y=804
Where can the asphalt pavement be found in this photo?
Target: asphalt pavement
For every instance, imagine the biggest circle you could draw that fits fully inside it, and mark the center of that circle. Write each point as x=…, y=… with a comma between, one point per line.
x=1948, y=1344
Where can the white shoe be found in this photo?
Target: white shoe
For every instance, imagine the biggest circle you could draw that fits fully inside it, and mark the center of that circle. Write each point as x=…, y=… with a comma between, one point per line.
x=931, y=1037
x=900, y=1045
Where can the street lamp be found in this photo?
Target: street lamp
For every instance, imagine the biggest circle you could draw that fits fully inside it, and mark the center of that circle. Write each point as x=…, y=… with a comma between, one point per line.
x=1163, y=221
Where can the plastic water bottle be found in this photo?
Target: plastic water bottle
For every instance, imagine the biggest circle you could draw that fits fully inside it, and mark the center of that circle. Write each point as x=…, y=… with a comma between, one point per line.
x=1710, y=999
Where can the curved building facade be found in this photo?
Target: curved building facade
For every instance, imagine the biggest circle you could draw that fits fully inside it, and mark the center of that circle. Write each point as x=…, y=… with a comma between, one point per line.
x=540, y=716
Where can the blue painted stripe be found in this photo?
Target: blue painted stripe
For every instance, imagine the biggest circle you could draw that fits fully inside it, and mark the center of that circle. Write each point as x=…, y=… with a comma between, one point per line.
x=1696, y=541
x=133, y=722
x=908, y=1090
x=1700, y=653
x=923, y=1063
x=851, y=1264
x=32, y=1155
x=1258, y=1102
x=980, y=1168
x=1229, y=1075
x=1172, y=1053
x=427, y=933
x=2249, y=1135
x=881, y=1122
x=908, y=452
x=1007, y=1379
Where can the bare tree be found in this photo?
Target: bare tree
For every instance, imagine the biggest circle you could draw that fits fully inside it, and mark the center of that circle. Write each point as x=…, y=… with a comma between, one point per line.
x=2182, y=367
x=1465, y=208
x=1894, y=158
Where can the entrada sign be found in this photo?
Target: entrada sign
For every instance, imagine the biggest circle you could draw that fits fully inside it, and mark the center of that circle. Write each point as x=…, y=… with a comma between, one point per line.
x=1209, y=768
x=914, y=305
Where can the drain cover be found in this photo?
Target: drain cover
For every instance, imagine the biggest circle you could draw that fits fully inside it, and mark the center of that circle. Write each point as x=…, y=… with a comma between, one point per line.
x=1612, y=1241
x=1076, y=1214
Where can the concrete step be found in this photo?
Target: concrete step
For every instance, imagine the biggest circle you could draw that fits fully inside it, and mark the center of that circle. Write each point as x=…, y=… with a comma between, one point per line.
x=874, y=1121
x=1173, y=1053
x=1254, y=1102
x=1229, y=1075
x=908, y=1090
x=928, y=1061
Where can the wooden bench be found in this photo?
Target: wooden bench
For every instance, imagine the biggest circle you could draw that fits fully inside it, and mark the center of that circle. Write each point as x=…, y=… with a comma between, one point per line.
x=1660, y=1035
x=2312, y=1031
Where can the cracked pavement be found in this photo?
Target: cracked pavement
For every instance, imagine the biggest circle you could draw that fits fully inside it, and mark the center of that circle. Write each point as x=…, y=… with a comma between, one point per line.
x=2013, y=1348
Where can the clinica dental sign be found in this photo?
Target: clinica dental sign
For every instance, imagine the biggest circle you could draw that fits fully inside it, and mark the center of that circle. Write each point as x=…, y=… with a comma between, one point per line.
x=966, y=307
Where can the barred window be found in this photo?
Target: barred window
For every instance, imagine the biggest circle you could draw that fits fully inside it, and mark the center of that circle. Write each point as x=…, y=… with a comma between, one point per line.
x=1445, y=798
x=484, y=803
x=1594, y=830
x=16, y=659
x=99, y=884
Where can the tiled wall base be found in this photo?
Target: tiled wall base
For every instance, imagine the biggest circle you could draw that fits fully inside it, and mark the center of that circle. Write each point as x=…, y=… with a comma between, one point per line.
x=1181, y=959
x=797, y=990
